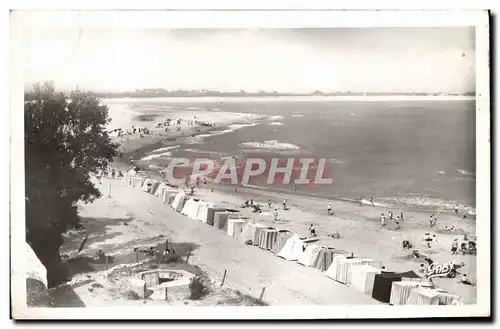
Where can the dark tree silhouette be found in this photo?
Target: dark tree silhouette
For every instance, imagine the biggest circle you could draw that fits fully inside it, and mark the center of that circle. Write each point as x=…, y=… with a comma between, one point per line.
x=65, y=142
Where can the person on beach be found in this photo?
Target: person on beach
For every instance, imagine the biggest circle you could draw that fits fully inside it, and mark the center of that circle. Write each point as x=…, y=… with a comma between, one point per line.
x=371, y=201
x=454, y=247
x=312, y=230
x=402, y=218
x=120, y=174
x=456, y=209
x=284, y=204
x=382, y=220
x=205, y=182
x=275, y=214
x=398, y=227
x=330, y=212
x=391, y=216
x=360, y=201
x=251, y=202
x=465, y=280
x=269, y=203
x=113, y=173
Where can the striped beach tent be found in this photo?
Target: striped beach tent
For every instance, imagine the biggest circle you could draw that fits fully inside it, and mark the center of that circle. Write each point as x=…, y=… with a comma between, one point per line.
x=324, y=257
x=177, y=199
x=309, y=255
x=400, y=291
x=182, y=202
x=220, y=220
x=267, y=238
x=283, y=236
x=340, y=270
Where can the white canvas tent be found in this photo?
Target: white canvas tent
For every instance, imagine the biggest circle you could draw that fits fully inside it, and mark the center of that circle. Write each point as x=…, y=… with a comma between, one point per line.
x=363, y=277
x=203, y=211
x=310, y=254
x=292, y=250
x=341, y=268
x=177, y=199
x=191, y=208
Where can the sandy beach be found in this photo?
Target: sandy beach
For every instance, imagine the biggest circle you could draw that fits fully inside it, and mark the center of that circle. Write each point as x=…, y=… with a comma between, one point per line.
x=249, y=268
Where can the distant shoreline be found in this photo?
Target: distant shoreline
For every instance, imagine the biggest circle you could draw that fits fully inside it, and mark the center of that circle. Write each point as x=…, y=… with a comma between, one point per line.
x=370, y=98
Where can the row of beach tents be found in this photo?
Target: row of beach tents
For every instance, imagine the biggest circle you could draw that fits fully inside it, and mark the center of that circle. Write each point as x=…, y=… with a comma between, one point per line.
x=363, y=274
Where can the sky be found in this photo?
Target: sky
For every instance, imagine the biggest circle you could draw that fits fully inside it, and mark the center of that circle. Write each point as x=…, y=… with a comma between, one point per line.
x=286, y=60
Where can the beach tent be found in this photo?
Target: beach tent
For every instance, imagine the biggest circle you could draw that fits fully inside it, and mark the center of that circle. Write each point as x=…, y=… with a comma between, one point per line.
x=249, y=229
x=293, y=248
x=171, y=197
x=324, y=258
x=127, y=178
x=137, y=181
x=427, y=296
x=211, y=214
x=363, y=276
x=220, y=220
x=235, y=226
x=267, y=238
x=154, y=187
x=34, y=267
x=147, y=185
x=410, y=276
x=177, y=199
x=311, y=252
x=182, y=202
x=382, y=286
x=203, y=211
x=400, y=291
x=190, y=208
x=341, y=268
x=160, y=190
x=283, y=236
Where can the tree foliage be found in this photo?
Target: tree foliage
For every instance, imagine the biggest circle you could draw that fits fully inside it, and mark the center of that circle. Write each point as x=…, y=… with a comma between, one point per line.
x=65, y=142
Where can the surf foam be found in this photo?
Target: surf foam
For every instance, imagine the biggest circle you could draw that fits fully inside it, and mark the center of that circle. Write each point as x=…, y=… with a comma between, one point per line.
x=271, y=145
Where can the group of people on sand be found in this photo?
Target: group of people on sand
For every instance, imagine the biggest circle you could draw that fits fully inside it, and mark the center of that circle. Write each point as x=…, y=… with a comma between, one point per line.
x=397, y=220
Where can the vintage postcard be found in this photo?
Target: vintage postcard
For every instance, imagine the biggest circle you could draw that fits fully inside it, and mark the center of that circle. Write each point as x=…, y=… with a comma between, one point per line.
x=250, y=165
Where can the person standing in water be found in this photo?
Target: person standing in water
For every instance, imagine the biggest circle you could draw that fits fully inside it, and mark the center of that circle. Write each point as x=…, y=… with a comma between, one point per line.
x=456, y=209
x=269, y=203
x=402, y=218
x=284, y=204
x=371, y=201
x=360, y=201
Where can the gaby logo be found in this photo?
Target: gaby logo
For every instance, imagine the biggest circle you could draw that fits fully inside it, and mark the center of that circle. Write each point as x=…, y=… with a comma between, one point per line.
x=437, y=270
x=250, y=170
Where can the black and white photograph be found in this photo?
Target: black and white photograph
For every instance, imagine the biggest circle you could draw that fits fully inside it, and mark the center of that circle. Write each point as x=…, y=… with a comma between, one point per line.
x=231, y=166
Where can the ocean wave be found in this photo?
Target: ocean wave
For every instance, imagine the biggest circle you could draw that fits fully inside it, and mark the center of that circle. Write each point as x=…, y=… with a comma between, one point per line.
x=272, y=144
x=465, y=172
x=242, y=125
x=297, y=115
x=428, y=202
x=276, y=123
x=156, y=156
x=441, y=172
x=215, y=110
x=194, y=108
x=202, y=151
x=275, y=118
x=163, y=149
x=335, y=161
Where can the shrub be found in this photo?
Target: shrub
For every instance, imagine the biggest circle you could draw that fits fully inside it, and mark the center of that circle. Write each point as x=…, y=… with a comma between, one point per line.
x=131, y=295
x=172, y=258
x=199, y=287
